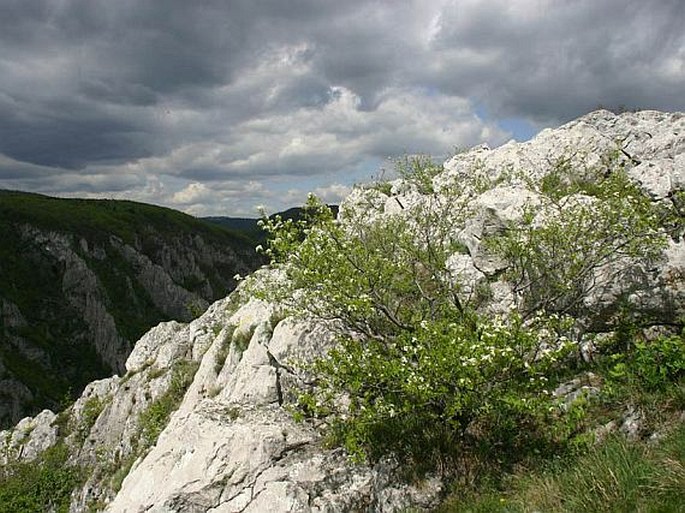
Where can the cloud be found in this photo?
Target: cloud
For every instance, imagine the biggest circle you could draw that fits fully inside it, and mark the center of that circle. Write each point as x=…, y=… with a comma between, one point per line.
x=552, y=61
x=208, y=106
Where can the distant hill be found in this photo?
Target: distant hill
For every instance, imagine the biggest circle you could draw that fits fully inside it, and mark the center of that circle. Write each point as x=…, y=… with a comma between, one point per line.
x=82, y=280
x=248, y=226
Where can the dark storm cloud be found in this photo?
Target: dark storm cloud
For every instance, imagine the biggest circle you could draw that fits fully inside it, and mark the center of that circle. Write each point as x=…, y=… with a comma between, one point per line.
x=62, y=61
x=177, y=93
x=555, y=60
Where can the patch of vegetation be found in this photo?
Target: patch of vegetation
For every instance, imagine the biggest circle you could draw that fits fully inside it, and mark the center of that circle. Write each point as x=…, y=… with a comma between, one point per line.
x=241, y=339
x=233, y=412
x=613, y=475
x=92, y=409
x=382, y=186
x=616, y=477
x=555, y=255
x=155, y=418
x=122, y=470
x=425, y=377
x=38, y=486
x=419, y=171
x=645, y=375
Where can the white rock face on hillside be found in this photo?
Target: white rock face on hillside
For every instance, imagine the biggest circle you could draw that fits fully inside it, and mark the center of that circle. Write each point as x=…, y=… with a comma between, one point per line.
x=231, y=444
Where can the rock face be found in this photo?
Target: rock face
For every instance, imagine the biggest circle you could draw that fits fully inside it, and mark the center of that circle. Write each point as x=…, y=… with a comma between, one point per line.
x=231, y=444
x=74, y=297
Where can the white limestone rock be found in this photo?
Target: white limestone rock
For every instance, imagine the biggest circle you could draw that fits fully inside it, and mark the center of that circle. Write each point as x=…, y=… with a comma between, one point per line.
x=153, y=344
x=29, y=438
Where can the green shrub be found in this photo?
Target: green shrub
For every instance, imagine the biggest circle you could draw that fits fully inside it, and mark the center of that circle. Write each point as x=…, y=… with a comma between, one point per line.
x=659, y=363
x=597, y=224
x=155, y=418
x=646, y=374
x=417, y=371
x=39, y=486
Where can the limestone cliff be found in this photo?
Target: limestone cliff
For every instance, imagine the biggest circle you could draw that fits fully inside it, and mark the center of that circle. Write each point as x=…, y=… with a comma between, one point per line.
x=82, y=281
x=200, y=420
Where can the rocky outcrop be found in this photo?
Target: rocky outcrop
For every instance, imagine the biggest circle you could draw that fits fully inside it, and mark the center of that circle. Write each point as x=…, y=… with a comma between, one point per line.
x=83, y=291
x=231, y=444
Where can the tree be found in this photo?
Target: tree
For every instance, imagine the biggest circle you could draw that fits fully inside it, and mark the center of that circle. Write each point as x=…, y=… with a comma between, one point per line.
x=419, y=371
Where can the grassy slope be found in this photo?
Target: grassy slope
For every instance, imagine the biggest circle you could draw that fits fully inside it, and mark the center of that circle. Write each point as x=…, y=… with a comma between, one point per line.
x=614, y=475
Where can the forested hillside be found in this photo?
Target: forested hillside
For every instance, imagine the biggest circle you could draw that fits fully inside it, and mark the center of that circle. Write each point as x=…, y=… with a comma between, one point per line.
x=82, y=280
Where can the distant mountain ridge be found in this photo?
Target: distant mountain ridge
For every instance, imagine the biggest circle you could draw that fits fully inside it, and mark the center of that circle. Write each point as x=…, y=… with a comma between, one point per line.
x=82, y=280
x=249, y=226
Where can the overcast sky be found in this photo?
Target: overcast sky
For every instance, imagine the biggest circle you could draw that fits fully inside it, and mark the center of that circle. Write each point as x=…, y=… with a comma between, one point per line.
x=213, y=107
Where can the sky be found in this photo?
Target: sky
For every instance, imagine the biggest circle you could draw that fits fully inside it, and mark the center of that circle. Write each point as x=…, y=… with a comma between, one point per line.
x=216, y=107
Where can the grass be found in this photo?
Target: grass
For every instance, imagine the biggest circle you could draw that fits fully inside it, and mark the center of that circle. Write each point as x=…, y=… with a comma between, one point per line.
x=38, y=486
x=616, y=477
x=155, y=418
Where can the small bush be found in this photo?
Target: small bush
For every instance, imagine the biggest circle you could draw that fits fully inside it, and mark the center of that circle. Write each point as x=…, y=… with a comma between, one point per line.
x=417, y=372
x=39, y=486
x=589, y=230
x=649, y=375
x=154, y=419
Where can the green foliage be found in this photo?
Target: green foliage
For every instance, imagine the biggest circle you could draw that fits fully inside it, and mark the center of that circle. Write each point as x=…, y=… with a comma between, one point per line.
x=121, y=472
x=92, y=409
x=585, y=226
x=32, y=279
x=617, y=477
x=650, y=365
x=418, y=372
x=443, y=393
x=422, y=374
x=154, y=419
x=39, y=486
x=420, y=171
x=645, y=374
x=382, y=186
x=195, y=309
x=241, y=339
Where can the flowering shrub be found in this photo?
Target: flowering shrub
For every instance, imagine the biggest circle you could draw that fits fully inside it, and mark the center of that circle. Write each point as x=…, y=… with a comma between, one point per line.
x=419, y=372
x=587, y=234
